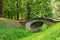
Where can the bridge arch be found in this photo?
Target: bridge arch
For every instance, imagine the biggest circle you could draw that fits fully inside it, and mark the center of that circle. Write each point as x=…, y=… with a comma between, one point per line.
x=35, y=25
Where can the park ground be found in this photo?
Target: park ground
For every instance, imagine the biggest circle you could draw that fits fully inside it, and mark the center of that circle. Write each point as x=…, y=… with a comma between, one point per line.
x=11, y=30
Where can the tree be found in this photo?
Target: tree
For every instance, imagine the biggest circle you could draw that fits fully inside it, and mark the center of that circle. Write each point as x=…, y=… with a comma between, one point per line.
x=17, y=4
x=28, y=10
x=1, y=14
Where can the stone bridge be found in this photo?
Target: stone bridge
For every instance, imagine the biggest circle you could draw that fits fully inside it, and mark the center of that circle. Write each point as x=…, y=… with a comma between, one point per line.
x=35, y=25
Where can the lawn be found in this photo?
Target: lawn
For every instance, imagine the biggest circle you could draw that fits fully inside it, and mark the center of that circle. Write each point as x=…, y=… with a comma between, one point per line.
x=13, y=32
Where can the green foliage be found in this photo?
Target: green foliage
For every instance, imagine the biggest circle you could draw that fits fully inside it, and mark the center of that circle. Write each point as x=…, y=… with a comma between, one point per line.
x=37, y=6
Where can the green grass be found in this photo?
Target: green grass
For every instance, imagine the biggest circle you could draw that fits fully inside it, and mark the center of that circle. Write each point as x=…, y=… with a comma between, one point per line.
x=12, y=33
x=19, y=33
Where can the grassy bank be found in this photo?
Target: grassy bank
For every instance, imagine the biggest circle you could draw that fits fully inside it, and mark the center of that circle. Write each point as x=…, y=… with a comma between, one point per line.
x=12, y=32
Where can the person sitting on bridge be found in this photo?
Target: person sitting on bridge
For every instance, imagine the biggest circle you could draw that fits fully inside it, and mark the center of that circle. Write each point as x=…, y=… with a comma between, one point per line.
x=40, y=15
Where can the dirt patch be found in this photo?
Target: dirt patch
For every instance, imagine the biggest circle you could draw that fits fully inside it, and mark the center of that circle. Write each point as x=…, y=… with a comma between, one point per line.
x=11, y=22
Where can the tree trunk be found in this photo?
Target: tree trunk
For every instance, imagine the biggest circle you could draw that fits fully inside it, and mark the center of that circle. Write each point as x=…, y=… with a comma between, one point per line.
x=28, y=10
x=17, y=9
x=1, y=14
x=17, y=16
x=8, y=14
